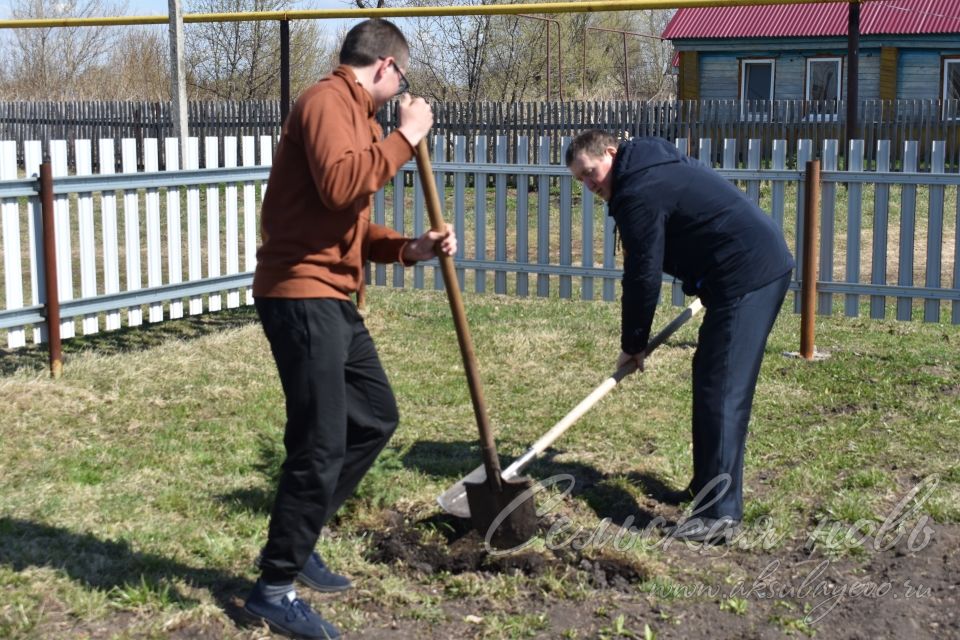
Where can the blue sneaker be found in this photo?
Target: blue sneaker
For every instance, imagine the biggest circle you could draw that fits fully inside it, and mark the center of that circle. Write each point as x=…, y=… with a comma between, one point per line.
x=316, y=575
x=292, y=617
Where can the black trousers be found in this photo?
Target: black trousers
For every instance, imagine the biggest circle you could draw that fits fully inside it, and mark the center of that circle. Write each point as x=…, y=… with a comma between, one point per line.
x=340, y=414
x=725, y=369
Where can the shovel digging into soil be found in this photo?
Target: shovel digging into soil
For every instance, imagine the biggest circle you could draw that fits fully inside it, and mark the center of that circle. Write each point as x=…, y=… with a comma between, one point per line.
x=500, y=509
x=456, y=500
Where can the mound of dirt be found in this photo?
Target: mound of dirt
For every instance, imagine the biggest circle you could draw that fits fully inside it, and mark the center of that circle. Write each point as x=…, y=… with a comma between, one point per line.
x=418, y=548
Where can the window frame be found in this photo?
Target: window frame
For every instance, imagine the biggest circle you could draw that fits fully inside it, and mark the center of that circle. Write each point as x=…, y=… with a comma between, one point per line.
x=808, y=85
x=744, y=63
x=945, y=63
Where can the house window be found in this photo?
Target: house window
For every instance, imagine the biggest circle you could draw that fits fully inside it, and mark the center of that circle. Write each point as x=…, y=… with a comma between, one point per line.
x=823, y=87
x=823, y=79
x=951, y=88
x=756, y=84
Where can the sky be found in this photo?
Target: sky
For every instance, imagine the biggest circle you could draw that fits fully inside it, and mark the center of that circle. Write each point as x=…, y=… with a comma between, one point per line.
x=159, y=7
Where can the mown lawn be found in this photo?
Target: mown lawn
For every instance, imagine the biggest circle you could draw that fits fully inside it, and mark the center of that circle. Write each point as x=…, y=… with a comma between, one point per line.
x=134, y=491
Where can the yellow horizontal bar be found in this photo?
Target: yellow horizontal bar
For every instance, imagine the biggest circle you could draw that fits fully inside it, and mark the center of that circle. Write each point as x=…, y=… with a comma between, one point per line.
x=398, y=12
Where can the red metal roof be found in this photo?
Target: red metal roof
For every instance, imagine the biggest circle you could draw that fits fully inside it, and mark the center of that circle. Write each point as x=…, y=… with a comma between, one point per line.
x=819, y=19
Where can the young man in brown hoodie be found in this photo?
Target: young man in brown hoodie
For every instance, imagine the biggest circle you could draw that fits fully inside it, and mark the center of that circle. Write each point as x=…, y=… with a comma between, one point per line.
x=317, y=235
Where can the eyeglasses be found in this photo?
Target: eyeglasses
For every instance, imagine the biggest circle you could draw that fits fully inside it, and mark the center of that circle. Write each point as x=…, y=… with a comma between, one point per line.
x=404, y=83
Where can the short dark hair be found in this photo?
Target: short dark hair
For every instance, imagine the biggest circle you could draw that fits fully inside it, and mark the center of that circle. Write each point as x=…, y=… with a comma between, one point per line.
x=371, y=40
x=592, y=142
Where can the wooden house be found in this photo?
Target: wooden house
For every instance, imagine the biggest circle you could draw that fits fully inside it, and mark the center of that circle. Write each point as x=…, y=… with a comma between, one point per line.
x=908, y=49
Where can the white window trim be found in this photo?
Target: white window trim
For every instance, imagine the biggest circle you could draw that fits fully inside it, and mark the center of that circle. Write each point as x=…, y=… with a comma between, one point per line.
x=824, y=117
x=945, y=82
x=743, y=84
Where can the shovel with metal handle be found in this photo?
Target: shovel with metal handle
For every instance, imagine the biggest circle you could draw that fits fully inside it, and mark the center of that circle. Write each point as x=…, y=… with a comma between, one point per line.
x=455, y=499
x=489, y=498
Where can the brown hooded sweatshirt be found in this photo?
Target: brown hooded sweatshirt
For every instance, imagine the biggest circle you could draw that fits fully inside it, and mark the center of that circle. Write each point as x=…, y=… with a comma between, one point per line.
x=315, y=221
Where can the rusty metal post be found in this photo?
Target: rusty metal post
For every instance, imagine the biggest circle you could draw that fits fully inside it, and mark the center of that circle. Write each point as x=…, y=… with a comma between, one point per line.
x=550, y=21
x=626, y=71
x=559, y=60
x=808, y=284
x=626, y=81
x=549, y=63
x=284, y=70
x=52, y=306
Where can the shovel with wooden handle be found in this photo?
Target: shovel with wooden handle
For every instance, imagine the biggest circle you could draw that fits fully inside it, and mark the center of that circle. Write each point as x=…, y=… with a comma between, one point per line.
x=489, y=498
x=455, y=499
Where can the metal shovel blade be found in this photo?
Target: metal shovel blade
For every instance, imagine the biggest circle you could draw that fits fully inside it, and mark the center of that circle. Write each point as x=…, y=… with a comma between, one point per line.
x=506, y=518
x=454, y=500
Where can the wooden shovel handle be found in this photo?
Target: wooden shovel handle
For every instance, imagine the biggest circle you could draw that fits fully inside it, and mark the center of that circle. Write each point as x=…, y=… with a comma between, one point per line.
x=490, y=459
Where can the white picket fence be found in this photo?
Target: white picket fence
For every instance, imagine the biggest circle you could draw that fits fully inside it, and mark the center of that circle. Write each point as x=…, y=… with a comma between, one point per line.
x=154, y=245
x=107, y=205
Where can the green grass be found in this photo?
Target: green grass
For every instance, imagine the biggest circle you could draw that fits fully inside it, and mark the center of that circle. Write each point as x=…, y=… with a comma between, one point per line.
x=135, y=491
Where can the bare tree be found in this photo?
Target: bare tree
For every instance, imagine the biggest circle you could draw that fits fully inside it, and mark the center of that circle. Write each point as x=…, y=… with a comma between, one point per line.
x=465, y=58
x=138, y=66
x=505, y=57
x=477, y=57
x=646, y=68
x=448, y=57
x=55, y=63
x=241, y=60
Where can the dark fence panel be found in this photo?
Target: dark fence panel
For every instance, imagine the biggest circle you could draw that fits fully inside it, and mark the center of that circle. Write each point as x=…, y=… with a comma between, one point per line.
x=717, y=120
x=45, y=121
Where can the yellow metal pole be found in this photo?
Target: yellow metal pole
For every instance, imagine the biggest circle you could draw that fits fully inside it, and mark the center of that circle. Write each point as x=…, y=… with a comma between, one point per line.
x=398, y=12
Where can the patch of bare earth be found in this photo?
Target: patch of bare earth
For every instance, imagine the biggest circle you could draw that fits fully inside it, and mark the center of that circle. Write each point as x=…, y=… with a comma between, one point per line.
x=904, y=588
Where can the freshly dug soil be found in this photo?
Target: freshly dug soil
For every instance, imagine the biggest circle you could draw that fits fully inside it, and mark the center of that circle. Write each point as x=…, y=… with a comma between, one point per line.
x=462, y=550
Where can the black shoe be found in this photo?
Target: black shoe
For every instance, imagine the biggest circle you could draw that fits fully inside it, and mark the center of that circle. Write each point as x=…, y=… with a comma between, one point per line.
x=292, y=617
x=706, y=530
x=316, y=575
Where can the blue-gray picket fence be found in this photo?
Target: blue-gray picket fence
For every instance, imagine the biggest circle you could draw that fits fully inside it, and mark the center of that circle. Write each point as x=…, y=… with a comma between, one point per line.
x=889, y=238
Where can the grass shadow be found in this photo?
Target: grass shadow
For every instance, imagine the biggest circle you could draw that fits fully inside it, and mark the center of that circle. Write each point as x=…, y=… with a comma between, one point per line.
x=444, y=459
x=112, y=566
x=128, y=339
x=658, y=489
x=606, y=494
x=603, y=493
x=259, y=500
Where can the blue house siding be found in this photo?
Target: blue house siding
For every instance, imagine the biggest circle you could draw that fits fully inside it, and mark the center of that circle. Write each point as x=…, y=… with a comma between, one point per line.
x=918, y=64
x=789, y=77
x=869, y=85
x=918, y=75
x=720, y=74
x=717, y=74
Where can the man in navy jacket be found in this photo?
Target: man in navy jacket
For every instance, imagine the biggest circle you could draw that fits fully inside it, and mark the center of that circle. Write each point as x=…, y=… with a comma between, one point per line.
x=676, y=215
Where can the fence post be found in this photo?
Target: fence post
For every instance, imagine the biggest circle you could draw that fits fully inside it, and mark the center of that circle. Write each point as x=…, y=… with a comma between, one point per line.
x=52, y=305
x=284, y=70
x=808, y=285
